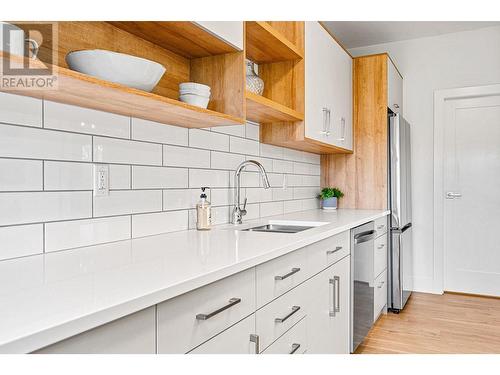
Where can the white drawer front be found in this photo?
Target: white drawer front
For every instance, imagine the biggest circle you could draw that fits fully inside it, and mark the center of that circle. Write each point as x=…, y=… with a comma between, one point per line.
x=380, y=294
x=292, y=342
x=280, y=315
x=181, y=326
x=381, y=226
x=380, y=255
x=234, y=340
x=280, y=275
x=323, y=254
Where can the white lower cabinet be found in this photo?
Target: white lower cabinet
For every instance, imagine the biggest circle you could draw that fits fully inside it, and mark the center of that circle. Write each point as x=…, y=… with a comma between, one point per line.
x=234, y=340
x=328, y=307
x=132, y=334
x=294, y=341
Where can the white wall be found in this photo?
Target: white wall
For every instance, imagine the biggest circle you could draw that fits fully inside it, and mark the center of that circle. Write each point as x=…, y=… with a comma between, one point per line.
x=463, y=59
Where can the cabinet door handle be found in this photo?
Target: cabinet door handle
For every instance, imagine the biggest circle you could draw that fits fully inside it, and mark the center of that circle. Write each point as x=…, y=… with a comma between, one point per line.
x=396, y=105
x=342, y=124
x=232, y=302
x=293, y=271
x=379, y=227
x=295, y=347
x=381, y=285
x=336, y=296
x=285, y=318
x=381, y=246
x=326, y=120
x=256, y=340
x=330, y=252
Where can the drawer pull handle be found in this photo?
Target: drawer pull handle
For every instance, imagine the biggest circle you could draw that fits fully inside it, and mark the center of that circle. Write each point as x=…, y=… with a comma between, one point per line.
x=293, y=271
x=285, y=318
x=232, y=302
x=381, y=285
x=295, y=347
x=380, y=226
x=330, y=252
x=381, y=246
x=256, y=340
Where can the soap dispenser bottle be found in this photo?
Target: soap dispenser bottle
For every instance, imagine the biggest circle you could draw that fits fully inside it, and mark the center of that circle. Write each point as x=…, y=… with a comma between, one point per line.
x=203, y=212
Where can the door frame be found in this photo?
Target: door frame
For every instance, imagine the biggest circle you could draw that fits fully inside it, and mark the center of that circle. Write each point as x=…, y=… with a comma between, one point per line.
x=440, y=97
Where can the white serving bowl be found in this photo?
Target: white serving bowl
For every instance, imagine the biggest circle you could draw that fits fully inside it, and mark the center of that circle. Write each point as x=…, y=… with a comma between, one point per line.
x=187, y=92
x=194, y=87
x=117, y=67
x=193, y=99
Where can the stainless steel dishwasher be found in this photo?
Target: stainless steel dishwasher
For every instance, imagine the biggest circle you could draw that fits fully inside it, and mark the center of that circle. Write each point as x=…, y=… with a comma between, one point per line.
x=362, y=238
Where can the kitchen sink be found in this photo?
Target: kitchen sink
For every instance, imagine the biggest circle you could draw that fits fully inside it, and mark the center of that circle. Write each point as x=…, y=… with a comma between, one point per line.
x=284, y=227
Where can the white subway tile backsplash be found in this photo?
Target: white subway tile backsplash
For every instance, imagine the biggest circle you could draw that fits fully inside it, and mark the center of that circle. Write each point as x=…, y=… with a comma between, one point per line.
x=311, y=158
x=185, y=157
x=67, y=176
x=84, y=120
x=34, y=207
x=294, y=155
x=119, y=176
x=277, y=180
x=292, y=206
x=21, y=240
x=224, y=160
x=109, y=150
x=271, y=208
x=271, y=151
x=237, y=130
x=282, y=166
x=210, y=140
x=20, y=110
x=252, y=131
x=295, y=180
x=223, y=197
x=208, y=177
x=77, y=233
x=311, y=180
x=244, y=146
x=161, y=222
x=266, y=162
x=20, y=175
x=258, y=195
x=34, y=143
x=123, y=202
x=247, y=179
x=305, y=192
x=281, y=194
x=253, y=211
x=158, y=177
x=182, y=199
x=144, y=130
x=310, y=204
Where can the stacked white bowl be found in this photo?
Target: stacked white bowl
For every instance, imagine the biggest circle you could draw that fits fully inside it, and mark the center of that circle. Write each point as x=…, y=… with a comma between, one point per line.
x=194, y=93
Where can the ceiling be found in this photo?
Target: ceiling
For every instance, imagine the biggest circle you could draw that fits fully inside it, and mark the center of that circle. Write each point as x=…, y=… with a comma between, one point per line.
x=353, y=34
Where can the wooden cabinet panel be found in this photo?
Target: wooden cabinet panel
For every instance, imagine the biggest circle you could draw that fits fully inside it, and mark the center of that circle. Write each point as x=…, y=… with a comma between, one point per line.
x=234, y=340
x=132, y=334
x=328, y=310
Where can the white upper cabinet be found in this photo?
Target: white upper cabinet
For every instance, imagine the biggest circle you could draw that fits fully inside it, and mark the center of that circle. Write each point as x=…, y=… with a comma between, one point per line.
x=394, y=88
x=328, y=88
x=229, y=31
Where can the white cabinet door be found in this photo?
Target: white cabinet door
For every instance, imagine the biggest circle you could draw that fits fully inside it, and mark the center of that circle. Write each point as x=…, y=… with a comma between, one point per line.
x=328, y=88
x=328, y=310
x=294, y=341
x=234, y=340
x=229, y=31
x=394, y=88
x=132, y=334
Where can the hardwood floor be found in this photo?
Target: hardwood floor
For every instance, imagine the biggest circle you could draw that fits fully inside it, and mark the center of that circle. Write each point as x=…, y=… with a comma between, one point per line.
x=430, y=323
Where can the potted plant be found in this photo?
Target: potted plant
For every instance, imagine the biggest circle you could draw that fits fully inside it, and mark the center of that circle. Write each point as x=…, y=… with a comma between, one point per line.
x=329, y=197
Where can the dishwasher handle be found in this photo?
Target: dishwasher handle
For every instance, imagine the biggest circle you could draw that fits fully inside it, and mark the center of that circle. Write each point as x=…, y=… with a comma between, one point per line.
x=364, y=236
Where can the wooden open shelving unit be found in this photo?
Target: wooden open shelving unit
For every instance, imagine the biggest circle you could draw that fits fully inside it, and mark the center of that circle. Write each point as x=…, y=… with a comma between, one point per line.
x=188, y=52
x=278, y=49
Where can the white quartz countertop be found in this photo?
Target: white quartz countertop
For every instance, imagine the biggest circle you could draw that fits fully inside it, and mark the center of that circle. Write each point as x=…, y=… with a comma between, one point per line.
x=49, y=297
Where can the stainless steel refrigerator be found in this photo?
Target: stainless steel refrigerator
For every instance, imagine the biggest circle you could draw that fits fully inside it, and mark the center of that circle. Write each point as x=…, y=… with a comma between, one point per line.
x=400, y=277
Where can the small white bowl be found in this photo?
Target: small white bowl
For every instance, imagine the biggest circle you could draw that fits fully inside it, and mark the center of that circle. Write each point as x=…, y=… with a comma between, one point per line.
x=197, y=100
x=188, y=92
x=198, y=87
x=117, y=67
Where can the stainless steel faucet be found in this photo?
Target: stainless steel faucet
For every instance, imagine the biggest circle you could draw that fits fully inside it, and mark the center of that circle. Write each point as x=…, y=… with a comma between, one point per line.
x=239, y=212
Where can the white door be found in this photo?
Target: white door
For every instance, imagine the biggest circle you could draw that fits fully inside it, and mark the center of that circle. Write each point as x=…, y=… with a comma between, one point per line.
x=472, y=195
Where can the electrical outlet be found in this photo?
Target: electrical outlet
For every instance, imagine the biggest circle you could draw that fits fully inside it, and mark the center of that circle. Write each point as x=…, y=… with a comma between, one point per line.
x=101, y=180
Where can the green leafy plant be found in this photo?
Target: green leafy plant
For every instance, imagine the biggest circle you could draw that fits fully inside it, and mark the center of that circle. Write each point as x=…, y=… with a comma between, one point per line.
x=330, y=192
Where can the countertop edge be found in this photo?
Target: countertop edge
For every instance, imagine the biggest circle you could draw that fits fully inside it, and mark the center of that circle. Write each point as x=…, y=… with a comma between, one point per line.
x=43, y=338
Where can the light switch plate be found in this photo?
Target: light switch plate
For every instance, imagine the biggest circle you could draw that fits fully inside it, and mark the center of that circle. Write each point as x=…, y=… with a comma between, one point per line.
x=101, y=180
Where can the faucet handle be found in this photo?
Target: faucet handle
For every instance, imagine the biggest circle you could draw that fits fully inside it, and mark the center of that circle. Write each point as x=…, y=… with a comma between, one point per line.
x=244, y=210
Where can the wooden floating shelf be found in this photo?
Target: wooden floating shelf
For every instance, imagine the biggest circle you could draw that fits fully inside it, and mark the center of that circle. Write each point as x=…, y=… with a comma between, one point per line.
x=264, y=44
x=90, y=92
x=184, y=38
x=263, y=110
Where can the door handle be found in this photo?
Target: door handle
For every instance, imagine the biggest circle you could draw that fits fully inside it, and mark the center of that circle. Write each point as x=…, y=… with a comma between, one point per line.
x=330, y=252
x=326, y=122
x=342, y=123
x=285, y=318
x=364, y=237
x=286, y=276
x=452, y=195
x=295, y=347
x=256, y=340
x=231, y=303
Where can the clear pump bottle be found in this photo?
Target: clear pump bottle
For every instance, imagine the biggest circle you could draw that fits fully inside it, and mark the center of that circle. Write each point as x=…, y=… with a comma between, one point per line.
x=203, y=212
